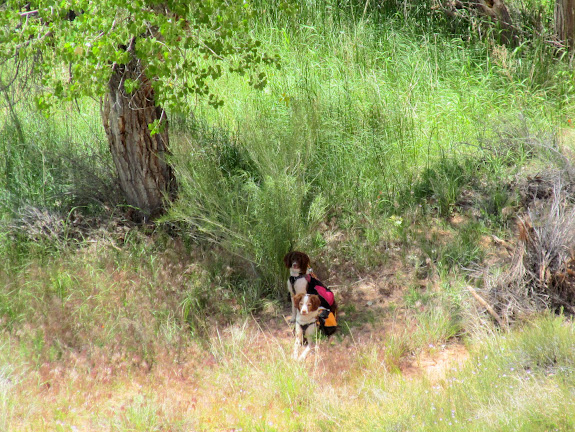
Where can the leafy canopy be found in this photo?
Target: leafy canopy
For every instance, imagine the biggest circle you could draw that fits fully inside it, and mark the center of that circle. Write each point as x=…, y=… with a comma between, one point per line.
x=182, y=46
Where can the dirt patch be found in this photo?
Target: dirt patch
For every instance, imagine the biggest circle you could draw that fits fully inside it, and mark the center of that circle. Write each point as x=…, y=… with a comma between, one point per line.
x=373, y=311
x=436, y=363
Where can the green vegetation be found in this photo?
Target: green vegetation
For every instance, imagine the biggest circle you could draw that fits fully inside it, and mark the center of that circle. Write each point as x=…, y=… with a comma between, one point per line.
x=140, y=57
x=391, y=145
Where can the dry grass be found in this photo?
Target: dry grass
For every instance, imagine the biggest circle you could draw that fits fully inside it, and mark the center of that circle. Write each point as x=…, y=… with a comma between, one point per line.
x=243, y=379
x=101, y=343
x=134, y=334
x=540, y=274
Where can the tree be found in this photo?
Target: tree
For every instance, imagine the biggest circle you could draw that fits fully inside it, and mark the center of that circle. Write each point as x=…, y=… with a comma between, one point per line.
x=495, y=11
x=141, y=57
x=565, y=22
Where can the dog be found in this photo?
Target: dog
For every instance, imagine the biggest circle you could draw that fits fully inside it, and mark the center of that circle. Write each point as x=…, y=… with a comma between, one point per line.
x=298, y=264
x=308, y=308
x=302, y=280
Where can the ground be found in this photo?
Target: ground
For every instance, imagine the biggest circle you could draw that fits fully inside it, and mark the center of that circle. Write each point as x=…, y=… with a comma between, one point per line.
x=372, y=310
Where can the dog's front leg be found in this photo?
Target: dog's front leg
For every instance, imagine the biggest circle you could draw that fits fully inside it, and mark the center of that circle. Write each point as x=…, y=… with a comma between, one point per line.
x=293, y=312
x=298, y=341
x=311, y=342
x=293, y=309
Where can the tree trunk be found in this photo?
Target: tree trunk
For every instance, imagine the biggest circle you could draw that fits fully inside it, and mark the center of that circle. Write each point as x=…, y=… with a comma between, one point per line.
x=497, y=11
x=140, y=157
x=565, y=22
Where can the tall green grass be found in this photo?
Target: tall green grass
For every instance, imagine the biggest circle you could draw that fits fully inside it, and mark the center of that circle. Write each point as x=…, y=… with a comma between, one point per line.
x=56, y=174
x=371, y=128
x=56, y=162
x=370, y=125
x=365, y=121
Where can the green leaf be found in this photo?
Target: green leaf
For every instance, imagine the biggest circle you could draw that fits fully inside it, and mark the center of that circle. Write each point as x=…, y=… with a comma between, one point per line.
x=131, y=85
x=156, y=127
x=43, y=103
x=97, y=38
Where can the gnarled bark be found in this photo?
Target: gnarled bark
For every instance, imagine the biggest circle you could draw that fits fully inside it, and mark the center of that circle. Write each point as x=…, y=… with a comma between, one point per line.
x=495, y=10
x=146, y=178
x=565, y=22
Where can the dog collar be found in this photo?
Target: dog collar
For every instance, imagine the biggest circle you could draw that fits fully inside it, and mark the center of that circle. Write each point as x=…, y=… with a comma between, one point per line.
x=292, y=279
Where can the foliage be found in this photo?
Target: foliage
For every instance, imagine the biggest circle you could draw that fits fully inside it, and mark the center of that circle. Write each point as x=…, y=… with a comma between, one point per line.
x=182, y=47
x=238, y=199
x=379, y=149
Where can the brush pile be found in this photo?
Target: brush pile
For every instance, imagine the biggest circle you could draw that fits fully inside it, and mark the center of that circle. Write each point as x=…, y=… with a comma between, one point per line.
x=58, y=228
x=541, y=274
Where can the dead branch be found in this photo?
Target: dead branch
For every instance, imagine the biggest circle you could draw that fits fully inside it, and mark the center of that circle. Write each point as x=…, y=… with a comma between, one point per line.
x=486, y=306
x=508, y=246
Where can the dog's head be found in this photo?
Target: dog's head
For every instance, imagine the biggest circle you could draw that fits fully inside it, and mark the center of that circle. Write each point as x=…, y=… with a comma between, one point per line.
x=297, y=262
x=306, y=303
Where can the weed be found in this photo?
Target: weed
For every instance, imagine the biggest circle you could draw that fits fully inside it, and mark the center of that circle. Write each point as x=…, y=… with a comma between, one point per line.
x=442, y=184
x=416, y=296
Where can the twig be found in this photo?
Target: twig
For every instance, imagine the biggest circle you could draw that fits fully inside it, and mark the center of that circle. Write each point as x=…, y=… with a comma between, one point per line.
x=365, y=9
x=286, y=320
x=503, y=243
x=486, y=306
x=29, y=13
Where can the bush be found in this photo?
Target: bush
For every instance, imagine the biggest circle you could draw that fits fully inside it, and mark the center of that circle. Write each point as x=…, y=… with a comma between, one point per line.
x=540, y=275
x=230, y=199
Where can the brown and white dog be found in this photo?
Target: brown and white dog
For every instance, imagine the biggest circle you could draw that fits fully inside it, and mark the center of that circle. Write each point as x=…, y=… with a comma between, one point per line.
x=298, y=263
x=307, y=308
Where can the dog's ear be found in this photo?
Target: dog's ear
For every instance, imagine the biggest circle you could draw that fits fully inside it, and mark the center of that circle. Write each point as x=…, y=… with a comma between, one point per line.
x=288, y=259
x=315, y=302
x=297, y=299
x=304, y=262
